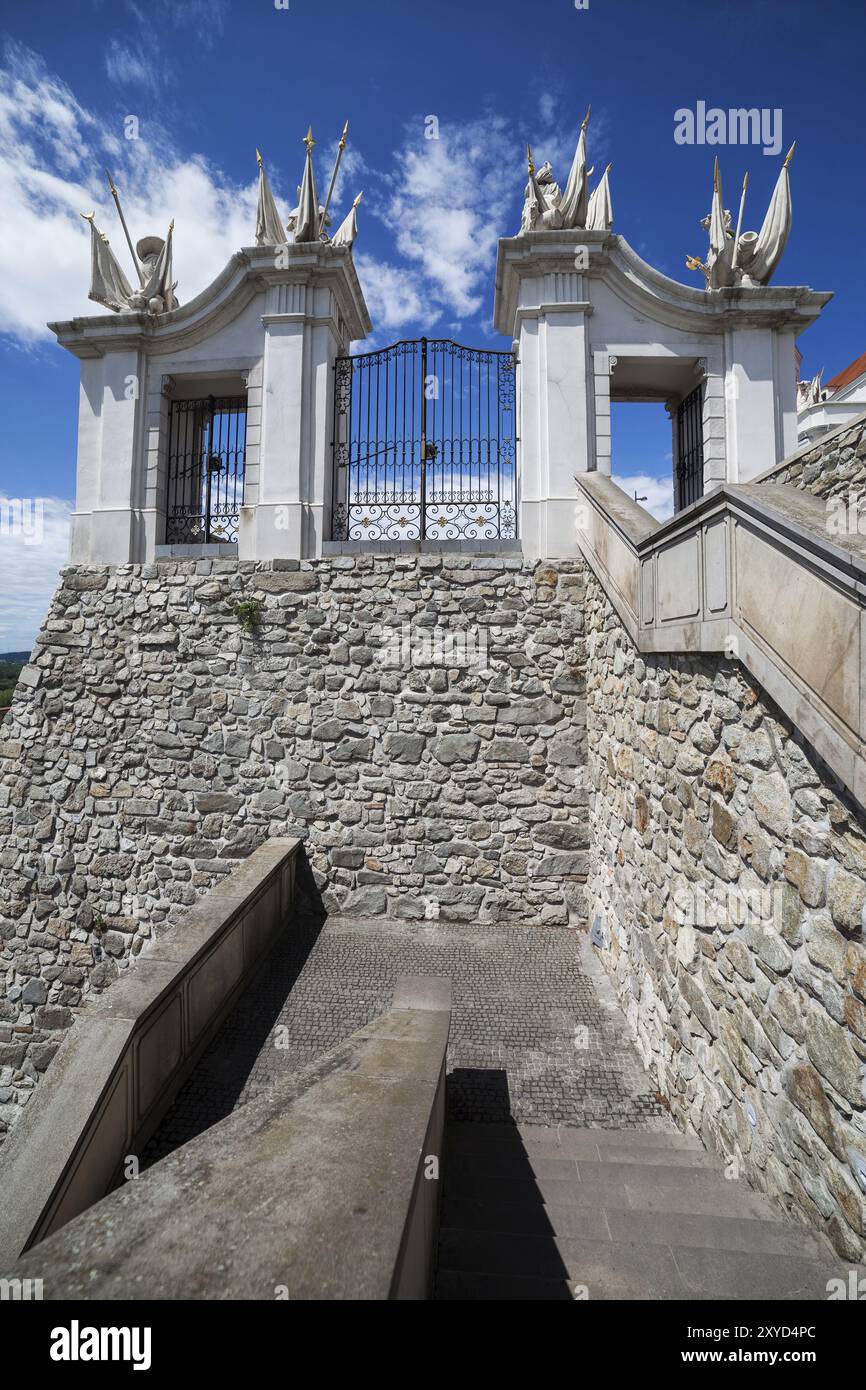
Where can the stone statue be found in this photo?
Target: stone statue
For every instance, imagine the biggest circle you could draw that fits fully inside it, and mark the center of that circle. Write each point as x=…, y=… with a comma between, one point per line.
x=810, y=392
x=546, y=208
x=745, y=259
x=310, y=220
x=541, y=199
x=152, y=258
x=575, y=204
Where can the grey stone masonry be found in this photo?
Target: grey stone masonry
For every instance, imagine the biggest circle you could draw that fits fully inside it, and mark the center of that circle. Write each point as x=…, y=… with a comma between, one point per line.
x=419, y=720
x=728, y=887
x=832, y=467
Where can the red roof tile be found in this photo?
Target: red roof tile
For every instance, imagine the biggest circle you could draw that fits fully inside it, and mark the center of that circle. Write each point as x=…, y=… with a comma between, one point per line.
x=848, y=374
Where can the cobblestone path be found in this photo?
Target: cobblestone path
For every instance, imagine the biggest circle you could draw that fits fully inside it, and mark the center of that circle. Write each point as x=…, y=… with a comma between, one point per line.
x=536, y=1033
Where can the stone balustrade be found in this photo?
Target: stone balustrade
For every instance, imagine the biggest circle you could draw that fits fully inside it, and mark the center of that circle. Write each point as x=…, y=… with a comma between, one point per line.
x=752, y=571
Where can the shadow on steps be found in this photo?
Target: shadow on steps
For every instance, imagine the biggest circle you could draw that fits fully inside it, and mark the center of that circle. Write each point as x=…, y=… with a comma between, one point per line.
x=474, y=1233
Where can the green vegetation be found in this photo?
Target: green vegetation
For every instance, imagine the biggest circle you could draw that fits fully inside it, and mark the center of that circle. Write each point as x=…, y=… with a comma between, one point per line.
x=249, y=613
x=10, y=668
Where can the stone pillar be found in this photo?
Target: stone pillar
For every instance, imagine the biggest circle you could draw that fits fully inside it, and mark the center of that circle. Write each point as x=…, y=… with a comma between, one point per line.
x=541, y=303
x=760, y=399
x=109, y=453
x=310, y=317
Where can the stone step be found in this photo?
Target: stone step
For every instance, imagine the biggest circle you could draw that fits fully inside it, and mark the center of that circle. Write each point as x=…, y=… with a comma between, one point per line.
x=710, y=1229
x=546, y=1161
x=689, y=1191
x=636, y=1269
x=469, y=1136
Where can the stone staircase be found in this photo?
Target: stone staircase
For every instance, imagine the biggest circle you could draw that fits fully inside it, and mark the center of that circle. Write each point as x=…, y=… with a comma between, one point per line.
x=530, y=1212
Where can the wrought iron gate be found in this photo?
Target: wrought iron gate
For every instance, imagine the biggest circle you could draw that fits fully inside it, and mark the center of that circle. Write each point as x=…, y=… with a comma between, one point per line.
x=425, y=443
x=206, y=452
x=689, y=471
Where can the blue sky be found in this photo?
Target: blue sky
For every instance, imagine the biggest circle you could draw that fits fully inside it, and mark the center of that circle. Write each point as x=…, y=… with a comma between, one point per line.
x=209, y=80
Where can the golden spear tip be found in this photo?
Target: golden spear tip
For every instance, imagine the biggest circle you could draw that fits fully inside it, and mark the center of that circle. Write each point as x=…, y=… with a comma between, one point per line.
x=745, y=180
x=171, y=225
x=343, y=136
x=585, y=121
x=358, y=199
x=609, y=167
x=789, y=156
x=88, y=216
x=259, y=160
x=529, y=164
x=308, y=140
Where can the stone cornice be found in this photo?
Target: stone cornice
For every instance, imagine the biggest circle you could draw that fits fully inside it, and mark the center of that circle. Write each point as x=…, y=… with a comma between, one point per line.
x=644, y=289
x=248, y=273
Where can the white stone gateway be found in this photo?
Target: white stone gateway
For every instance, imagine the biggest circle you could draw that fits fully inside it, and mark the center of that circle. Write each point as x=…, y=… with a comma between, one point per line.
x=265, y=333
x=590, y=323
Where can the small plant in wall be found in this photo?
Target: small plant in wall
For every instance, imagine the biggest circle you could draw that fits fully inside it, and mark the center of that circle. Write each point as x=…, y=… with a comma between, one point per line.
x=249, y=614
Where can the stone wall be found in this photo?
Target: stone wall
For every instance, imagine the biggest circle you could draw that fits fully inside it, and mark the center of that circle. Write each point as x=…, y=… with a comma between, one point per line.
x=728, y=881
x=834, y=467
x=153, y=742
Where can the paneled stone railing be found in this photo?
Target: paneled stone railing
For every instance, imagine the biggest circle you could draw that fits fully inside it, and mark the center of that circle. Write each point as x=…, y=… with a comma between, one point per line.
x=752, y=571
x=123, y=1061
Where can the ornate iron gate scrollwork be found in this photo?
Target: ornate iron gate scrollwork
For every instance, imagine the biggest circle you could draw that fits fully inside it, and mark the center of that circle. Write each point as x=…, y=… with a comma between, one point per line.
x=425, y=443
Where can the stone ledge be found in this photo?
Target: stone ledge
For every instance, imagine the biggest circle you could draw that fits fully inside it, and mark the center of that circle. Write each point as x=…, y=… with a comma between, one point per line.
x=318, y=1186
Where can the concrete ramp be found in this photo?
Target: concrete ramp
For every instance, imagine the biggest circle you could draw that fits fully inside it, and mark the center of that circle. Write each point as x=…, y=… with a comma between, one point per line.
x=325, y=1187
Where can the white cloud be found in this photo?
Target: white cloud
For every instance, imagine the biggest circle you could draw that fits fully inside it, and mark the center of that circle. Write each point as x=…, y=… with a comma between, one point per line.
x=34, y=547
x=127, y=65
x=395, y=296
x=447, y=204
x=658, y=492
x=52, y=153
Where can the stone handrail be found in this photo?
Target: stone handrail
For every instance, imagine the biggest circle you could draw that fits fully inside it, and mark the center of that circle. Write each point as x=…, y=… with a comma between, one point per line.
x=753, y=571
x=326, y=1186
x=123, y=1061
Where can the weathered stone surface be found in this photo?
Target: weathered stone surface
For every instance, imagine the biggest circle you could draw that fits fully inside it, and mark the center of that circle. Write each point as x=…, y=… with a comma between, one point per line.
x=455, y=748
x=155, y=742
x=833, y=1056
x=733, y=896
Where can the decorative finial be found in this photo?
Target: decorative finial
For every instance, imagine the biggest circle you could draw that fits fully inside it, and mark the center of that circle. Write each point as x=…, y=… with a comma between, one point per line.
x=259, y=159
x=357, y=200
x=529, y=164
x=609, y=167
x=585, y=121
x=342, y=137
x=171, y=225
x=89, y=216
x=308, y=140
x=789, y=156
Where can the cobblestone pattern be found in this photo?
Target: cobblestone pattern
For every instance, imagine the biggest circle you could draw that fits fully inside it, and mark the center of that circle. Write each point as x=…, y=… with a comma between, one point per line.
x=831, y=470
x=729, y=877
x=418, y=720
x=536, y=1032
